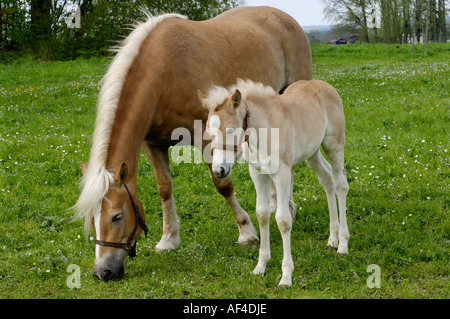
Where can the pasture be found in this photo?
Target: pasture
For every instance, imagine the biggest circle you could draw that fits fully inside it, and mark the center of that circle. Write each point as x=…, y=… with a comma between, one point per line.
x=397, y=139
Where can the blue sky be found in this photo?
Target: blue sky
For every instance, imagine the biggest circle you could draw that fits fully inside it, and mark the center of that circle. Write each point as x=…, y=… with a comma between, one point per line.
x=306, y=12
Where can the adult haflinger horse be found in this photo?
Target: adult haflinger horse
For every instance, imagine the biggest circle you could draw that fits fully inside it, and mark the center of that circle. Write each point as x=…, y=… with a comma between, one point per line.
x=149, y=90
x=308, y=115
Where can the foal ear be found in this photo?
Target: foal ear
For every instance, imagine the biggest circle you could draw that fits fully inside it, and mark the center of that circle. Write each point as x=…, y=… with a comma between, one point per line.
x=236, y=99
x=121, y=175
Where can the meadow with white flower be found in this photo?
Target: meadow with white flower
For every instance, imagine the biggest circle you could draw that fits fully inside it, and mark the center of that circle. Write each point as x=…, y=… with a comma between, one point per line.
x=397, y=140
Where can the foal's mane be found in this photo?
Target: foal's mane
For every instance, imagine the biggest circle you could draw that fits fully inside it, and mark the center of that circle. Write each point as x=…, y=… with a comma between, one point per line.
x=95, y=183
x=249, y=90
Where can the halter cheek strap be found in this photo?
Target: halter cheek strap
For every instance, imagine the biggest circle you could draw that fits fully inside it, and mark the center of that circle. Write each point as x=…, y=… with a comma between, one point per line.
x=139, y=221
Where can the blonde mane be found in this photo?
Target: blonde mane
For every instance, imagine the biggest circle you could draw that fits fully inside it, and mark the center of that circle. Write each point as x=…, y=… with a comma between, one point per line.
x=95, y=183
x=249, y=89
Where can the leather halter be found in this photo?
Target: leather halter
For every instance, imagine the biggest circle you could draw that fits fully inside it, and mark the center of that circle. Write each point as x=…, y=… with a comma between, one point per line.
x=244, y=138
x=139, y=222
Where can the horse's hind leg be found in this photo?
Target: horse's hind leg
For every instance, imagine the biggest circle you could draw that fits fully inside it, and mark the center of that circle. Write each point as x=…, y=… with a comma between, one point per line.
x=341, y=188
x=323, y=170
x=247, y=232
x=171, y=232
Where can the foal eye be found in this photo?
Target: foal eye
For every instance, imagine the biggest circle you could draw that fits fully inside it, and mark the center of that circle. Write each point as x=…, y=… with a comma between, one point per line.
x=117, y=217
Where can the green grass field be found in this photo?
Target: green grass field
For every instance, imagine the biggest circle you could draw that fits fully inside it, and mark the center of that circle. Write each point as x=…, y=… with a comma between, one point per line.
x=397, y=116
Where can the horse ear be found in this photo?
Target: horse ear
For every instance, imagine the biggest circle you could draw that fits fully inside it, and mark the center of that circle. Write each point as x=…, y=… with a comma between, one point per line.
x=202, y=96
x=236, y=99
x=84, y=167
x=121, y=175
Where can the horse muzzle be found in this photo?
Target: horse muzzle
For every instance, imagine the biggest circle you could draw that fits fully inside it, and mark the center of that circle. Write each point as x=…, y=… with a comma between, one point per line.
x=110, y=267
x=221, y=170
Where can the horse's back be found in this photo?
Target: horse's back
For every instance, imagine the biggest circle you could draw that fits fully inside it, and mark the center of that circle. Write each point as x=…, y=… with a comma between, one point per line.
x=245, y=42
x=279, y=26
x=315, y=88
x=179, y=57
x=314, y=97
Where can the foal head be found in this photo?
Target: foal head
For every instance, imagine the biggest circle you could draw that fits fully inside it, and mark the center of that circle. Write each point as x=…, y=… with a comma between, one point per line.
x=117, y=224
x=225, y=126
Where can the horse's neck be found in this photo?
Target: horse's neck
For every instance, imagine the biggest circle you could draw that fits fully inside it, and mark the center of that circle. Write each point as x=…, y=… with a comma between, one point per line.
x=260, y=115
x=124, y=146
x=261, y=123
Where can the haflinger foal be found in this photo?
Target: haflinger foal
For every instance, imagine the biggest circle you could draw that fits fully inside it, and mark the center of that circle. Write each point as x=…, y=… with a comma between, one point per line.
x=307, y=116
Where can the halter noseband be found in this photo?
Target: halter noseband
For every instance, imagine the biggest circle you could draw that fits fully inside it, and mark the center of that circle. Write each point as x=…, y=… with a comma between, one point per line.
x=244, y=138
x=139, y=221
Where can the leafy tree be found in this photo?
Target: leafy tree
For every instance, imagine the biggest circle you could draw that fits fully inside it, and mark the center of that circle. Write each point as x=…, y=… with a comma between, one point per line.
x=14, y=29
x=401, y=20
x=44, y=27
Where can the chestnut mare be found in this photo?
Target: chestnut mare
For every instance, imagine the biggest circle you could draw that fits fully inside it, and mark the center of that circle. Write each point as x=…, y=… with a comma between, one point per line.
x=150, y=90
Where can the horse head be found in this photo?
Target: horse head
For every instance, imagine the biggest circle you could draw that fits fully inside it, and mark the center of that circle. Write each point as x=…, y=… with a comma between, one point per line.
x=117, y=225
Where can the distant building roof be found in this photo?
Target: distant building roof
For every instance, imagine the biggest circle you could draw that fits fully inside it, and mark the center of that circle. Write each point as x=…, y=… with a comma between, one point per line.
x=351, y=39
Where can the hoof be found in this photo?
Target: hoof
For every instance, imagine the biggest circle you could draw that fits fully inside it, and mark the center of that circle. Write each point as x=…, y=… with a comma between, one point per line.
x=259, y=270
x=329, y=247
x=168, y=243
x=285, y=283
x=283, y=286
x=251, y=242
x=342, y=251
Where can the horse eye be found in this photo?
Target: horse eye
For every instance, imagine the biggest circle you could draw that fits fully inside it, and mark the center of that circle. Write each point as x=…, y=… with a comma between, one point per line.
x=117, y=217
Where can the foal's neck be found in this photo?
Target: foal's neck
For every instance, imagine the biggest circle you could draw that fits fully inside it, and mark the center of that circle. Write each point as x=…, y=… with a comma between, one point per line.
x=260, y=113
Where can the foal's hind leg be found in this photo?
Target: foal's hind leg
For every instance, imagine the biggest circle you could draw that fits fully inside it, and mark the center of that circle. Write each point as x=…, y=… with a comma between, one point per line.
x=171, y=232
x=247, y=232
x=323, y=170
x=341, y=188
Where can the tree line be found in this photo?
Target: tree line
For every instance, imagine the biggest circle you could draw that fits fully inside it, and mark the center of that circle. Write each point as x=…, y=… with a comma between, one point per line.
x=391, y=21
x=66, y=29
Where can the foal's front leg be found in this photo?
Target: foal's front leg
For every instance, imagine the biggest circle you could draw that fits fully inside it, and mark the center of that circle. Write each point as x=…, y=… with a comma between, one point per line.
x=262, y=184
x=284, y=219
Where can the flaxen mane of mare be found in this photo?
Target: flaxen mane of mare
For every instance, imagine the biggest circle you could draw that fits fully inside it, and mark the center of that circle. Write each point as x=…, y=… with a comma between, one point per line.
x=150, y=89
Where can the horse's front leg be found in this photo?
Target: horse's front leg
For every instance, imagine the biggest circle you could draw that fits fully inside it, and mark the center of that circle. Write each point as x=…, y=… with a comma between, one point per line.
x=262, y=184
x=247, y=232
x=171, y=232
x=282, y=181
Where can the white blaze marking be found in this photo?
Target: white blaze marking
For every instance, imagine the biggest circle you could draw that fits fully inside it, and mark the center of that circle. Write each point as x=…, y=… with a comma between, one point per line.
x=214, y=125
x=97, y=230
